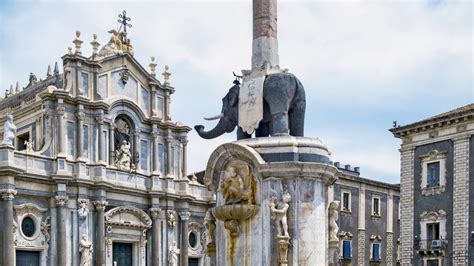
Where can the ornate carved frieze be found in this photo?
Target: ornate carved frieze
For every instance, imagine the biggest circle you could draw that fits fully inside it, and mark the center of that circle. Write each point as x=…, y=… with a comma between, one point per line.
x=31, y=229
x=61, y=201
x=171, y=217
x=128, y=216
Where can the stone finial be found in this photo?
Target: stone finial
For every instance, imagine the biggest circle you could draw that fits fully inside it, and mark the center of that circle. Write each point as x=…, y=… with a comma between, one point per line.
x=95, y=46
x=77, y=43
x=153, y=66
x=7, y=92
x=49, y=73
x=17, y=88
x=56, y=69
x=69, y=50
x=166, y=75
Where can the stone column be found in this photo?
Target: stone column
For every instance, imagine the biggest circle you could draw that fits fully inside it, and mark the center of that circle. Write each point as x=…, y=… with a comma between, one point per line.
x=156, y=164
x=265, y=43
x=167, y=114
x=80, y=134
x=100, y=233
x=169, y=156
x=155, y=236
x=361, y=227
x=61, y=204
x=183, y=250
x=461, y=200
x=185, y=158
x=100, y=135
x=61, y=130
x=153, y=101
x=406, y=204
x=111, y=143
x=7, y=227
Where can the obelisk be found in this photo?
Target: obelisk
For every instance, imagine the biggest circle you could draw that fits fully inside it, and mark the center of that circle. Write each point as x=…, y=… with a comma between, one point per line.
x=265, y=42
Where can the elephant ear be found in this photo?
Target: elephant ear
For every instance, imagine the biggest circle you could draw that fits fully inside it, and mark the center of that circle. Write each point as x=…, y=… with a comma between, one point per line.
x=234, y=95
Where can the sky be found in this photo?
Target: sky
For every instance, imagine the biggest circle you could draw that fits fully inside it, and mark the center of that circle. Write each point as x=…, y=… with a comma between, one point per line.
x=363, y=63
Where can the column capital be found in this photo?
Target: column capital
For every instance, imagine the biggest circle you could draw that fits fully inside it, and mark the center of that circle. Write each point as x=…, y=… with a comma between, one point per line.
x=184, y=215
x=155, y=133
x=168, y=139
x=80, y=115
x=462, y=138
x=99, y=119
x=100, y=205
x=8, y=194
x=61, y=200
x=184, y=141
x=154, y=212
x=60, y=109
x=136, y=133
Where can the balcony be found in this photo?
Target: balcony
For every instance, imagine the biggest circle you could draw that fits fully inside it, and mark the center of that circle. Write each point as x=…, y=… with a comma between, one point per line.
x=431, y=247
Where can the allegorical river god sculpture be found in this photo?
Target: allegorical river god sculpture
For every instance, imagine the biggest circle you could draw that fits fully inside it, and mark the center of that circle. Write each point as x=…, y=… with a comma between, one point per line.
x=9, y=130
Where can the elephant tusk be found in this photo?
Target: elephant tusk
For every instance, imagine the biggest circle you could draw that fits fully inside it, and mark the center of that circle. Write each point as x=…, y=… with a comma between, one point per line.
x=219, y=116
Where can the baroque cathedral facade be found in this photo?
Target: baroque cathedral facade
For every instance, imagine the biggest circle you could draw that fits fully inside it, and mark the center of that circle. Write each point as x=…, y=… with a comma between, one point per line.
x=96, y=172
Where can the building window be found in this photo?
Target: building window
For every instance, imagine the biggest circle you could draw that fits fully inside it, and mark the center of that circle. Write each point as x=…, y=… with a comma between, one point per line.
x=28, y=226
x=160, y=103
x=85, y=83
x=161, y=157
x=85, y=143
x=375, y=246
x=21, y=141
x=433, y=173
x=144, y=155
x=102, y=86
x=375, y=205
x=71, y=141
x=432, y=231
x=345, y=201
x=346, y=249
x=145, y=100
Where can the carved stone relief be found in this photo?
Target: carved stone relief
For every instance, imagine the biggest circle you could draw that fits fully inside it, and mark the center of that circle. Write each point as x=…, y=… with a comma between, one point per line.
x=31, y=228
x=171, y=217
x=278, y=210
x=85, y=248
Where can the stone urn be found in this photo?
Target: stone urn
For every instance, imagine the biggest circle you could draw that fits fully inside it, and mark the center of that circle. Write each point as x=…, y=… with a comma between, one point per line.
x=232, y=214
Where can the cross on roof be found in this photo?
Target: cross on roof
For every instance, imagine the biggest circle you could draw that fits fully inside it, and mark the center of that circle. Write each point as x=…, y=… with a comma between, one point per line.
x=123, y=20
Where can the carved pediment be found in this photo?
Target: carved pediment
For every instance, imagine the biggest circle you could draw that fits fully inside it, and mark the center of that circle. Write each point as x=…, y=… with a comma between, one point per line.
x=433, y=216
x=128, y=216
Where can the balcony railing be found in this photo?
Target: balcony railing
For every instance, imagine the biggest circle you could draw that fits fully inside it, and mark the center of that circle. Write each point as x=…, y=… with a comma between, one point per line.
x=434, y=245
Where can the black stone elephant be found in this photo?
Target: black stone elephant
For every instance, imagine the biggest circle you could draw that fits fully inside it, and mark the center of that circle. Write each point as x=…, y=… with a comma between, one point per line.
x=284, y=106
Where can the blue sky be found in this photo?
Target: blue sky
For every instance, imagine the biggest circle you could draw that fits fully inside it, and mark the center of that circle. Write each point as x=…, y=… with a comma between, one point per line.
x=363, y=63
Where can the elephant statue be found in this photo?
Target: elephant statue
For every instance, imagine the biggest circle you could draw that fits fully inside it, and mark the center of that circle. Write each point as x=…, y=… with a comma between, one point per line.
x=284, y=106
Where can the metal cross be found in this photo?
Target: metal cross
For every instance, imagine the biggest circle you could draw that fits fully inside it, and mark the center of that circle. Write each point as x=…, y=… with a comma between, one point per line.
x=123, y=20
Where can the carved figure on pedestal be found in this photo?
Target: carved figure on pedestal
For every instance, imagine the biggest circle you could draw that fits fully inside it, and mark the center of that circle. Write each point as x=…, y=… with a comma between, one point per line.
x=29, y=145
x=173, y=255
x=210, y=224
x=86, y=251
x=9, y=130
x=82, y=210
x=284, y=104
x=236, y=186
x=278, y=210
x=333, y=217
x=123, y=156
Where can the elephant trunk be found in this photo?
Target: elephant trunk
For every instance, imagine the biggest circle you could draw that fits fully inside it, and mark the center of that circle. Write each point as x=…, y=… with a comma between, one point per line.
x=218, y=130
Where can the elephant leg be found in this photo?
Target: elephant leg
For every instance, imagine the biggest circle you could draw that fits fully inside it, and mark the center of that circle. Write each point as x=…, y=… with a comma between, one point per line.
x=296, y=117
x=263, y=130
x=242, y=135
x=280, y=124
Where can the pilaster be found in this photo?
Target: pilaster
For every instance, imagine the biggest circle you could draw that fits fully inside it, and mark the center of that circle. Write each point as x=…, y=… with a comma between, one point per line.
x=100, y=232
x=184, y=166
x=61, y=206
x=407, y=204
x=111, y=143
x=361, y=225
x=461, y=200
x=100, y=135
x=154, y=213
x=7, y=227
x=184, y=216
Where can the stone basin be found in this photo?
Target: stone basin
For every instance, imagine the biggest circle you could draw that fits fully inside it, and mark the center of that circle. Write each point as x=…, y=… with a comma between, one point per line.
x=235, y=212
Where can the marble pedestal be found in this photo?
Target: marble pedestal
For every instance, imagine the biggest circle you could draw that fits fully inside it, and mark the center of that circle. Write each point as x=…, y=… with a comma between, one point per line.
x=245, y=232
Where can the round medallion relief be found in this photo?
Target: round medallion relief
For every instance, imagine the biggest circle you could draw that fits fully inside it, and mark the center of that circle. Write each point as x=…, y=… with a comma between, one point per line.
x=28, y=226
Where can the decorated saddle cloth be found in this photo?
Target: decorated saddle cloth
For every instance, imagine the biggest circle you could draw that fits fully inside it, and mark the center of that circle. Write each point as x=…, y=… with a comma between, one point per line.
x=251, y=101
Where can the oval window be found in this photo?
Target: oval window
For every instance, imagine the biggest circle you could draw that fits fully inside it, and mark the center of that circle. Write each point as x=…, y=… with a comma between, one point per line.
x=28, y=227
x=192, y=239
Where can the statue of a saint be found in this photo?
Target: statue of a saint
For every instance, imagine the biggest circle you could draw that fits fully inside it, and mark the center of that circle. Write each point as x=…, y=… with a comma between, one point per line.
x=333, y=217
x=232, y=186
x=9, y=130
x=173, y=255
x=86, y=251
x=278, y=210
x=123, y=156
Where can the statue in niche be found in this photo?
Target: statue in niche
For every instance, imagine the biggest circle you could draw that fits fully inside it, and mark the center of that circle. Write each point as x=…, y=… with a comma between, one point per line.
x=237, y=186
x=9, y=130
x=173, y=255
x=333, y=217
x=123, y=156
x=278, y=211
x=210, y=224
x=170, y=214
x=86, y=251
